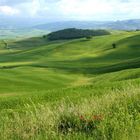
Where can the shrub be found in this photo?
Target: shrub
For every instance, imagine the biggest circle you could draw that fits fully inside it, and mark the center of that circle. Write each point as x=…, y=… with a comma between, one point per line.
x=44, y=36
x=114, y=45
x=89, y=37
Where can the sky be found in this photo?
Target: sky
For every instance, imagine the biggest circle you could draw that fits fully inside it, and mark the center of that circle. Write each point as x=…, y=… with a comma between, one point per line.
x=60, y=10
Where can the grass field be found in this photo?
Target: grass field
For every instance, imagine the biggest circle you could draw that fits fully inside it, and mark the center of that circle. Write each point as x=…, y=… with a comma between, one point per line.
x=20, y=33
x=73, y=90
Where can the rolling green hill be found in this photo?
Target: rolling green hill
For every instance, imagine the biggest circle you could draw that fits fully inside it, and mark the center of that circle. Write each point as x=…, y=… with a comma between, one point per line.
x=70, y=89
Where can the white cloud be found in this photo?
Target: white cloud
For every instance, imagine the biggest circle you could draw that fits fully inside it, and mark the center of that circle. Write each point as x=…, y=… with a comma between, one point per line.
x=74, y=9
x=7, y=10
x=33, y=8
x=99, y=9
x=85, y=7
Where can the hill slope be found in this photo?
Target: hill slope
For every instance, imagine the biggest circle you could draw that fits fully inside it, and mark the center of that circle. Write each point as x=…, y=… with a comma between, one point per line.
x=76, y=87
x=89, y=54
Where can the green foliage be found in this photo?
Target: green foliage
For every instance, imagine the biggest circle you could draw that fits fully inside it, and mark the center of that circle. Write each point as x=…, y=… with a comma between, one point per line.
x=44, y=36
x=114, y=45
x=73, y=33
x=89, y=37
x=137, y=30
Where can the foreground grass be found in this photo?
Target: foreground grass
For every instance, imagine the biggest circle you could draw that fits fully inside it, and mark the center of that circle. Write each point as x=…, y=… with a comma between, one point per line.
x=114, y=116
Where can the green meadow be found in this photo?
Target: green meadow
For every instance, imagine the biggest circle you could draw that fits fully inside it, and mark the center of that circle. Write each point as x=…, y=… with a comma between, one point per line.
x=80, y=89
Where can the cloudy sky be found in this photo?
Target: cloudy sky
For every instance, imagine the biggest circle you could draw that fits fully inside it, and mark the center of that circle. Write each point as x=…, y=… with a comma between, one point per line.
x=71, y=9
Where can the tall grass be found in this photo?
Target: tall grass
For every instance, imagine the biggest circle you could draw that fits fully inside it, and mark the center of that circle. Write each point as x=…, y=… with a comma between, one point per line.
x=114, y=116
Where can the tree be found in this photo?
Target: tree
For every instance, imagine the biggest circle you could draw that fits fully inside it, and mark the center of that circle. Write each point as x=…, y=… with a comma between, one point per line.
x=89, y=37
x=137, y=30
x=114, y=45
x=5, y=44
x=44, y=36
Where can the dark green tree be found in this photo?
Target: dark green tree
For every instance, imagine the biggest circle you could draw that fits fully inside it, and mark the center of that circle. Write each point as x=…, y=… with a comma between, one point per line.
x=73, y=33
x=89, y=37
x=114, y=45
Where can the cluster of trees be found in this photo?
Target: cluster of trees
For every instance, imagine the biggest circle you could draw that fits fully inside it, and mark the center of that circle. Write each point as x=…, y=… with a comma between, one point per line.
x=73, y=33
x=137, y=29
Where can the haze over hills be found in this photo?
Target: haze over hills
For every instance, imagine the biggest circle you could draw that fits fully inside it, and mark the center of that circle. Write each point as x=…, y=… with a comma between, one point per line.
x=131, y=24
x=18, y=22
x=117, y=25
x=13, y=28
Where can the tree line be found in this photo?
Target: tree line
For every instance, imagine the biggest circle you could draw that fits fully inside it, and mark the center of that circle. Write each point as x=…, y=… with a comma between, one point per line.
x=73, y=33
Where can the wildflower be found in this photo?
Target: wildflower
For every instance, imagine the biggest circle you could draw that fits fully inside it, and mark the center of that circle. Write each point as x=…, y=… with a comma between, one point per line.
x=81, y=117
x=98, y=117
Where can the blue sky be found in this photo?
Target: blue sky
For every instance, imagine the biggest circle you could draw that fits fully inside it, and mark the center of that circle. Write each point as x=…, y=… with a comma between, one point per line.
x=54, y=10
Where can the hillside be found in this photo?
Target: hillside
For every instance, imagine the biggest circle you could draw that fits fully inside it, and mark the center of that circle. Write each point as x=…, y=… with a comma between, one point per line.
x=20, y=33
x=74, y=53
x=71, y=89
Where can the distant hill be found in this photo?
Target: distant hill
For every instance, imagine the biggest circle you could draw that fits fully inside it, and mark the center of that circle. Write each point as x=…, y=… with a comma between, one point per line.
x=73, y=33
x=124, y=25
x=18, y=23
x=117, y=25
x=20, y=33
x=17, y=28
x=10, y=23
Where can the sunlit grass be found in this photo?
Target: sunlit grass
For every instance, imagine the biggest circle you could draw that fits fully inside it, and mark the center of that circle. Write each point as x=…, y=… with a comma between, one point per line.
x=113, y=116
x=72, y=90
